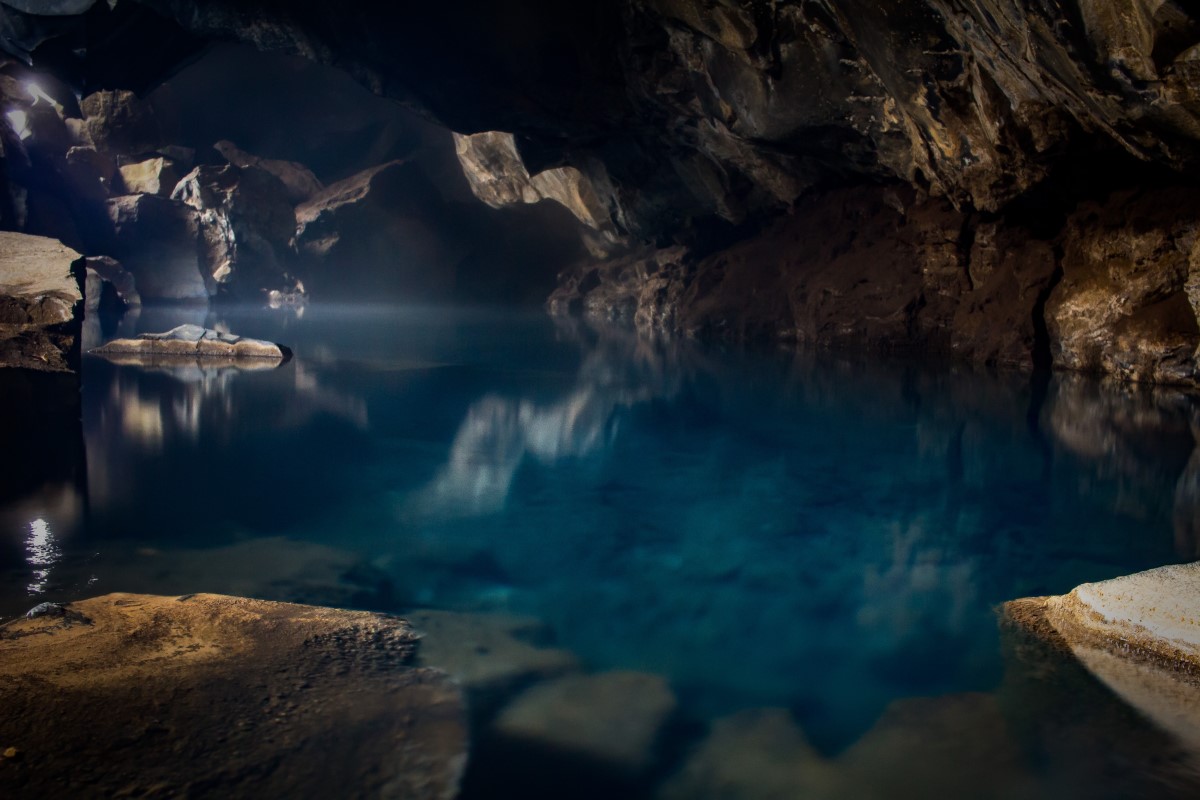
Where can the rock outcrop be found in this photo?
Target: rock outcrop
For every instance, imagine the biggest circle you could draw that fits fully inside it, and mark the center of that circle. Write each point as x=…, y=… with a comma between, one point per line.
x=189, y=342
x=41, y=303
x=298, y=179
x=1139, y=635
x=281, y=700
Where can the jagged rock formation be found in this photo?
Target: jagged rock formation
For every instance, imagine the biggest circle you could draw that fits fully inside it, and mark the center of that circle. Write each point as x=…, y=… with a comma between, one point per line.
x=965, y=136
x=41, y=303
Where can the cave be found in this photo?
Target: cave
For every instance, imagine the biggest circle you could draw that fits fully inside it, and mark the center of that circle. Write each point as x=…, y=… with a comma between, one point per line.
x=664, y=399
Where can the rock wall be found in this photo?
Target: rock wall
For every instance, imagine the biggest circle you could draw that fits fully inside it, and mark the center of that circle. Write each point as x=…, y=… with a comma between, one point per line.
x=1004, y=179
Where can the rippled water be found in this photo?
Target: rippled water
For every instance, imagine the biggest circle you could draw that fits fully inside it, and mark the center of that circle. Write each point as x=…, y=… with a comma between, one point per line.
x=820, y=536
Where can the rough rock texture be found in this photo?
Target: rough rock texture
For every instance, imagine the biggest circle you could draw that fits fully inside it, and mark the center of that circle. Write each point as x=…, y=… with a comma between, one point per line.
x=214, y=696
x=119, y=122
x=41, y=303
x=102, y=270
x=378, y=229
x=246, y=224
x=191, y=341
x=853, y=267
x=1139, y=635
x=153, y=176
x=298, y=179
x=1130, y=291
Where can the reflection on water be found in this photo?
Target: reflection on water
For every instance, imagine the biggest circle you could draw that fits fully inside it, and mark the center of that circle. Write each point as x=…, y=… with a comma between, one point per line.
x=43, y=554
x=815, y=535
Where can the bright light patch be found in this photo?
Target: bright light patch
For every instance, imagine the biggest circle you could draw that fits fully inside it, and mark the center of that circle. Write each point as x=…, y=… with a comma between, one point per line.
x=42, y=552
x=19, y=121
x=37, y=93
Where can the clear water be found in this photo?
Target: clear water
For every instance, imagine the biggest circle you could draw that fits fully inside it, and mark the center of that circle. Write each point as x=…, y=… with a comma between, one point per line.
x=825, y=536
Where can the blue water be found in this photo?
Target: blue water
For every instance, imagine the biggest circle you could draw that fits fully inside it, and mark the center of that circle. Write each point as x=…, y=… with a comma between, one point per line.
x=819, y=533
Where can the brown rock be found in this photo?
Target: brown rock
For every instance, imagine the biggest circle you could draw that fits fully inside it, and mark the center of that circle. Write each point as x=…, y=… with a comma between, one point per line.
x=1124, y=305
x=155, y=239
x=190, y=341
x=41, y=303
x=120, y=122
x=298, y=179
x=280, y=700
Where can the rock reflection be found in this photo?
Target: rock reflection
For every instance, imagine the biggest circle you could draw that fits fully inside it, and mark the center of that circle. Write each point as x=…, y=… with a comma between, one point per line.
x=498, y=433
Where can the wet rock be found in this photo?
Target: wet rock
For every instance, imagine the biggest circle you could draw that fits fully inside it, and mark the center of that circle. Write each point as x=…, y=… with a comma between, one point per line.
x=246, y=224
x=152, y=176
x=298, y=179
x=952, y=746
x=1125, y=304
x=493, y=656
x=41, y=303
x=281, y=700
x=191, y=341
x=155, y=239
x=377, y=232
x=612, y=718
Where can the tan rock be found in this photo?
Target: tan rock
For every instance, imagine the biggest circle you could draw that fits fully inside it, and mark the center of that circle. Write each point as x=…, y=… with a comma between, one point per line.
x=191, y=341
x=156, y=176
x=224, y=697
x=41, y=294
x=612, y=718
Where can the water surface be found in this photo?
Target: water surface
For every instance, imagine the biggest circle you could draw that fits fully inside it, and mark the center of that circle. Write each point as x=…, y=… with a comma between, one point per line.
x=824, y=536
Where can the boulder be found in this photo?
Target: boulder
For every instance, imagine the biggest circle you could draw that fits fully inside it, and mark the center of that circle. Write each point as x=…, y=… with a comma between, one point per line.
x=152, y=176
x=378, y=233
x=103, y=270
x=492, y=655
x=246, y=225
x=298, y=179
x=612, y=719
x=216, y=696
x=41, y=303
x=191, y=341
x=155, y=239
x=120, y=122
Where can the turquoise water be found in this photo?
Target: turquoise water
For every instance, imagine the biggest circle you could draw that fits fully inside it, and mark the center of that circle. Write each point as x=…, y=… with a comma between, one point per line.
x=828, y=536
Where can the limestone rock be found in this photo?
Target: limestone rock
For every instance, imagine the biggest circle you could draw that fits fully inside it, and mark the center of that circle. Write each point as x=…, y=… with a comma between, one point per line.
x=299, y=180
x=1139, y=635
x=246, y=225
x=152, y=176
x=281, y=700
x=189, y=341
x=612, y=718
x=491, y=655
x=41, y=303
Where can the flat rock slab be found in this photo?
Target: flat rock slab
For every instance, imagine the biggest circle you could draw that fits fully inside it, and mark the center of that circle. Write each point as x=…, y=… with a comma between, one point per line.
x=188, y=342
x=1138, y=634
x=215, y=696
x=41, y=298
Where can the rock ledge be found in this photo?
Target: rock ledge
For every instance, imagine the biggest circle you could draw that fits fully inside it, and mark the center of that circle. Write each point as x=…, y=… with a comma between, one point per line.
x=189, y=341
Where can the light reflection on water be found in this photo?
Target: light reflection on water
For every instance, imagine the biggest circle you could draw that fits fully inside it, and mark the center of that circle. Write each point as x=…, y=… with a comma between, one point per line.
x=820, y=535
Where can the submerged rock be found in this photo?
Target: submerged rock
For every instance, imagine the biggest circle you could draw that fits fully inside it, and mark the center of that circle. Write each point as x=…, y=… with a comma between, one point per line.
x=41, y=303
x=493, y=656
x=215, y=696
x=189, y=341
x=611, y=719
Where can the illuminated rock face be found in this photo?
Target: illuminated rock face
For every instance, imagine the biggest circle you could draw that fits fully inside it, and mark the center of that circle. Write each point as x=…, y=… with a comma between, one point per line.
x=41, y=303
x=986, y=151
x=282, y=699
